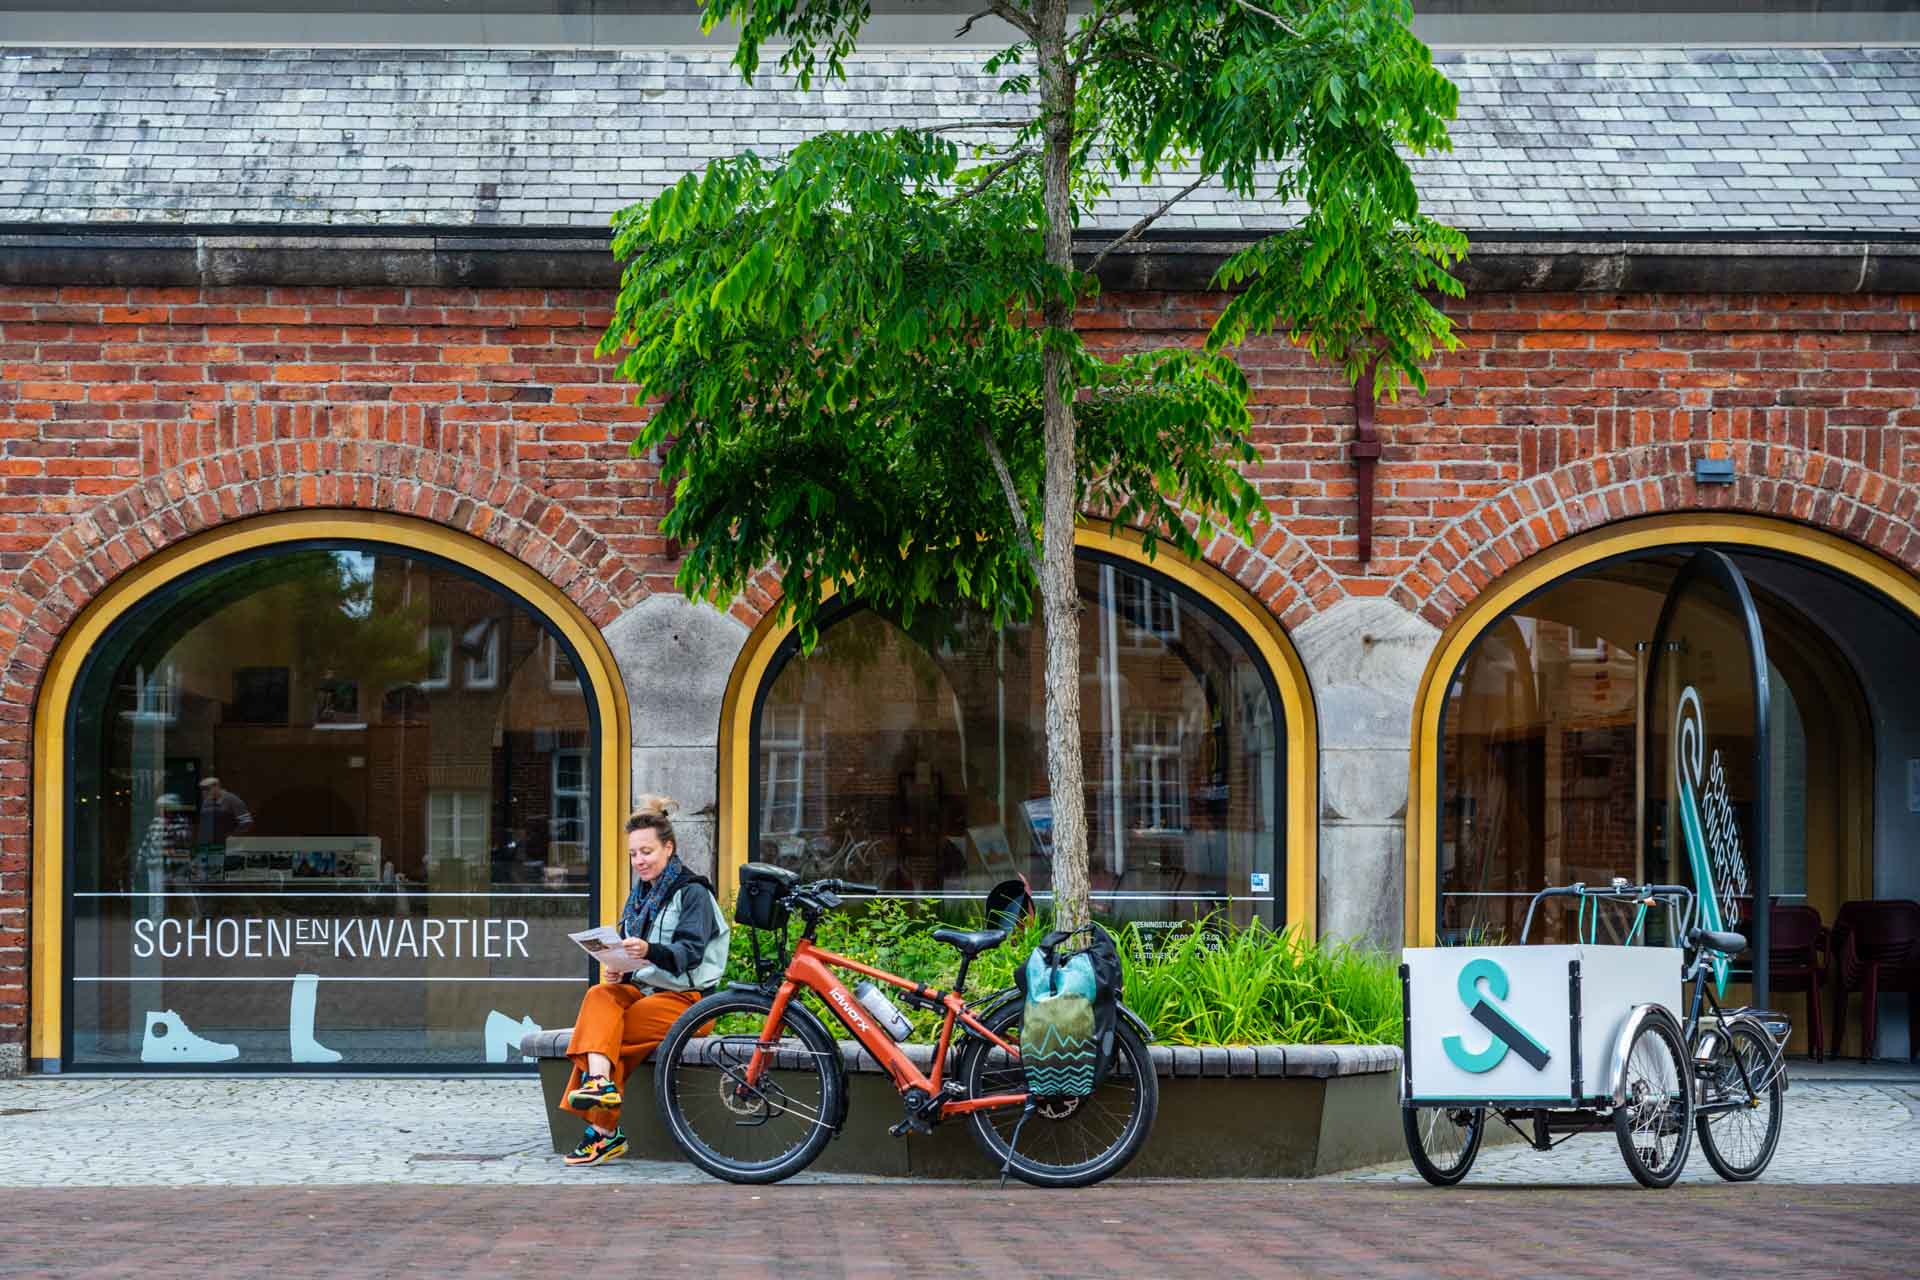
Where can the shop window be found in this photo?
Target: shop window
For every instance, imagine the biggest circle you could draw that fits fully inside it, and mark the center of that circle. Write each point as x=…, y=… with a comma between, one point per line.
x=916, y=757
x=296, y=841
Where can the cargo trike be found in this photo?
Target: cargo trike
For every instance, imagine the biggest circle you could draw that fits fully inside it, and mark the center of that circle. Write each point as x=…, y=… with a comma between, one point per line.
x=1555, y=1040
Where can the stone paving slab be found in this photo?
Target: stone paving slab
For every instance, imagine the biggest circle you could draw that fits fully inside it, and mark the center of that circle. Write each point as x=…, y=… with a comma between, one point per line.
x=182, y=1131
x=1219, y=1230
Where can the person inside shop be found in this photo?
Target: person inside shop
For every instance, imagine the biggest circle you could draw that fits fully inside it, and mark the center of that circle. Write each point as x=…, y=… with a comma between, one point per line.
x=222, y=814
x=673, y=924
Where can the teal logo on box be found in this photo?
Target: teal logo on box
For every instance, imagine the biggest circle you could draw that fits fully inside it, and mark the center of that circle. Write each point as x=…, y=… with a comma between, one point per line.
x=1508, y=1037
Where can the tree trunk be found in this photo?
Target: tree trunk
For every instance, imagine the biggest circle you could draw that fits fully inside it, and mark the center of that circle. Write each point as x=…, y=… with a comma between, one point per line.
x=1059, y=600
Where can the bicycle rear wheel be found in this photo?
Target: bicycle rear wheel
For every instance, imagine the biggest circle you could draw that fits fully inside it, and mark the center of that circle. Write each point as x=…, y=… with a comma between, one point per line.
x=1655, y=1123
x=1443, y=1141
x=762, y=1131
x=1065, y=1142
x=1739, y=1142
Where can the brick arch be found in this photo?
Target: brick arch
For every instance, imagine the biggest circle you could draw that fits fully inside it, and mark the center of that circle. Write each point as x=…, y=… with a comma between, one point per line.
x=205, y=493
x=1826, y=491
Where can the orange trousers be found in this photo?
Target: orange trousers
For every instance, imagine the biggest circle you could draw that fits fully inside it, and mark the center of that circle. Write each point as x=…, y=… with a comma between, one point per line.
x=626, y=1023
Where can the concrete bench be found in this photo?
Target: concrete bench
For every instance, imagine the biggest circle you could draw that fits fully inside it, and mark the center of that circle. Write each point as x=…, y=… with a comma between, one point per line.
x=1225, y=1112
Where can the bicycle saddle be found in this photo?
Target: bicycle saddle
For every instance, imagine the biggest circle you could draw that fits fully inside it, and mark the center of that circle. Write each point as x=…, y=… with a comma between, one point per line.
x=971, y=944
x=1727, y=943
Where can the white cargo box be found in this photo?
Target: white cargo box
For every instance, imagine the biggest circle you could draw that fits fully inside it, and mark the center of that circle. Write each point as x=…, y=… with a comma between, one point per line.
x=1496, y=1024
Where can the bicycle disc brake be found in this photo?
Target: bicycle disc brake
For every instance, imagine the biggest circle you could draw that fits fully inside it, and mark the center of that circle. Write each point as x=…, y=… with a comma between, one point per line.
x=754, y=1103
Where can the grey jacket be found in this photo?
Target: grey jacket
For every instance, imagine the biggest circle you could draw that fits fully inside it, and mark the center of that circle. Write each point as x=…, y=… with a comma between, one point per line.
x=687, y=942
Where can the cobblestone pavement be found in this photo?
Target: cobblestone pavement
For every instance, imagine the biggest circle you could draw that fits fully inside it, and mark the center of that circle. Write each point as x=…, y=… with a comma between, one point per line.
x=1831, y=1133
x=292, y=1131
x=492, y=1130
x=1224, y=1231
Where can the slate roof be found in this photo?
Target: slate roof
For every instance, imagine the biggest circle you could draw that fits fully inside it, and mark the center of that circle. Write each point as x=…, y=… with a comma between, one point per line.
x=1746, y=140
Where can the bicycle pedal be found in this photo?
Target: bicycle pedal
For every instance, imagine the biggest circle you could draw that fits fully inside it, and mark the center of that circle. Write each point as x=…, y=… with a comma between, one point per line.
x=911, y=1124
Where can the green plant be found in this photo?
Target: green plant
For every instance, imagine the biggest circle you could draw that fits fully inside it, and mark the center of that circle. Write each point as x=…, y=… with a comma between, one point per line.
x=1212, y=983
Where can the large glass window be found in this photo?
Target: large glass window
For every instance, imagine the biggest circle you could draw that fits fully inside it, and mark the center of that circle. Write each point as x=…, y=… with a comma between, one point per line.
x=916, y=758
x=331, y=805
x=1544, y=779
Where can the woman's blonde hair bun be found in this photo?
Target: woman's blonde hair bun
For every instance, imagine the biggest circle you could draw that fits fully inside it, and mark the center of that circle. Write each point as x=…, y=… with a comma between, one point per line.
x=661, y=806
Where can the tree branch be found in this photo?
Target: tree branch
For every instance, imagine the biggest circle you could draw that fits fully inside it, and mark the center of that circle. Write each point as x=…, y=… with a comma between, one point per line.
x=1125, y=55
x=1274, y=18
x=1139, y=228
x=993, y=175
x=1013, y=496
x=958, y=126
x=1007, y=13
x=1102, y=18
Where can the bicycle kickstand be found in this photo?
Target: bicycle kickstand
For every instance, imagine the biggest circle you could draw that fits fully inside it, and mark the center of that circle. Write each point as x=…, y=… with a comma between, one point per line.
x=1013, y=1143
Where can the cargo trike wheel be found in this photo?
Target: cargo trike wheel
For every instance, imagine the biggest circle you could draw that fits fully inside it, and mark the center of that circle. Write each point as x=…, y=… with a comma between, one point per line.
x=1443, y=1140
x=1654, y=1121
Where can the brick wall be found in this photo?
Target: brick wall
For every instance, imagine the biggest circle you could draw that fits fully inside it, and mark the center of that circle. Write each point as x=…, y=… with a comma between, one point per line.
x=131, y=418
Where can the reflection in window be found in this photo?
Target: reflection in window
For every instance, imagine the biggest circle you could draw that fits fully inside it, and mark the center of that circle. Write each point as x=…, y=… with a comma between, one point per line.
x=918, y=758
x=1542, y=774
x=278, y=787
x=456, y=827
x=439, y=666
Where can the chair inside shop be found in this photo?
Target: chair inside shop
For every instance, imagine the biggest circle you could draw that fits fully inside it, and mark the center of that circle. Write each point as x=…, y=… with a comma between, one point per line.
x=1875, y=949
x=1797, y=961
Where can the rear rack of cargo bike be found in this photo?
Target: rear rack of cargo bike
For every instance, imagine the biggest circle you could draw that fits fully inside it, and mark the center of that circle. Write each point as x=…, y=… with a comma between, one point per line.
x=1556, y=1040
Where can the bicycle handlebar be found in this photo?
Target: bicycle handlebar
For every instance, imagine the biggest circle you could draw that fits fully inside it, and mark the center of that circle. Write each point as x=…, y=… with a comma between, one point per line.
x=1618, y=891
x=824, y=894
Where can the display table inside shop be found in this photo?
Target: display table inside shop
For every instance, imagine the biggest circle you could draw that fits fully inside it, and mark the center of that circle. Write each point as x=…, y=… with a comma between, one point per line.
x=1244, y=1111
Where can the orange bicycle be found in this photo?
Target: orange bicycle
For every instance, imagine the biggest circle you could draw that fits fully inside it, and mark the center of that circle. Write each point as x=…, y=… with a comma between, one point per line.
x=752, y=1087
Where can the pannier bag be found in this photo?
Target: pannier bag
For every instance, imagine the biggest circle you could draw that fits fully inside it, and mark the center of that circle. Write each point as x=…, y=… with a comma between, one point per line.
x=1072, y=998
x=762, y=885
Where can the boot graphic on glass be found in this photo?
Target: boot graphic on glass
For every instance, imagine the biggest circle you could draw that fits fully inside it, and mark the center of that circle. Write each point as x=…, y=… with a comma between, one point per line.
x=169, y=1040
x=301, y=1045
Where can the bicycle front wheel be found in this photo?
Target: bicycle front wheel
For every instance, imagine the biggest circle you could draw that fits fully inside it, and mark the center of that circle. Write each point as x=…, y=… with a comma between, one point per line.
x=1443, y=1141
x=1655, y=1123
x=1739, y=1141
x=730, y=1122
x=1065, y=1142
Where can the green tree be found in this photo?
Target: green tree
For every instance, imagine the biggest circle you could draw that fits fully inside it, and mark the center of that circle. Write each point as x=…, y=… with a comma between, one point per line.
x=863, y=354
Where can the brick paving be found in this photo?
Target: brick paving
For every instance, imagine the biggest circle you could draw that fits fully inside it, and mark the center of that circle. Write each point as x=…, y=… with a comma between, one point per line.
x=1221, y=1230
x=357, y=1176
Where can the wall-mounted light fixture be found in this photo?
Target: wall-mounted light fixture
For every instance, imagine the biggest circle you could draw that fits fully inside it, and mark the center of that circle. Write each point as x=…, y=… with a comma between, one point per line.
x=1715, y=467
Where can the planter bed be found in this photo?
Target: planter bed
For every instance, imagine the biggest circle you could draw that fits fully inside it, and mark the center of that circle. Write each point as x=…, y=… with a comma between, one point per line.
x=1225, y=1112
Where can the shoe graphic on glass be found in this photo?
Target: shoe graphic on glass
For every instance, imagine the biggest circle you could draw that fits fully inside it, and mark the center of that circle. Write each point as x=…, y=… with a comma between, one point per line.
x=169, y=1040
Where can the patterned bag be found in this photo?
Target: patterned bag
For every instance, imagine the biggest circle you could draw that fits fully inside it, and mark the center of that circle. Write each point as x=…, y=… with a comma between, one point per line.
x=1066, y=1033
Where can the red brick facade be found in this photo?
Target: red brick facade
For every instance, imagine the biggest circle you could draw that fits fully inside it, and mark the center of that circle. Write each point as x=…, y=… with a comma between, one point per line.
x=132, y=418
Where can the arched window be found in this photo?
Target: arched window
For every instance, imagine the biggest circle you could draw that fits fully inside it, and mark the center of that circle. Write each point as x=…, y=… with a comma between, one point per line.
x=916, y=757
x=330, y=802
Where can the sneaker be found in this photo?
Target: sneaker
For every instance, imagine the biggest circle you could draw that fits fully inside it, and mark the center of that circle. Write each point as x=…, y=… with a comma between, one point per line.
x=594, y=1091
x=596, y=1147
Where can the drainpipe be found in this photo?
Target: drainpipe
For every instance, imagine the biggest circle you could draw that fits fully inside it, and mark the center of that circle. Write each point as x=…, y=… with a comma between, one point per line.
x=1365, y=452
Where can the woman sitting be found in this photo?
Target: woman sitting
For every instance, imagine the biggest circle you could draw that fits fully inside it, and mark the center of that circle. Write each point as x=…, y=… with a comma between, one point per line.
x=673, y=923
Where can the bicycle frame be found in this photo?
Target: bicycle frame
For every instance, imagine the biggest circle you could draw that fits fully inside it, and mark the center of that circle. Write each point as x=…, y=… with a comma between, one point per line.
x=1699, y=970
x=811, y=967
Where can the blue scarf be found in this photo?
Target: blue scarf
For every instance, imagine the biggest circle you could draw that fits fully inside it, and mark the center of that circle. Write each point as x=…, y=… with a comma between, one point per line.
x=647, y=900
